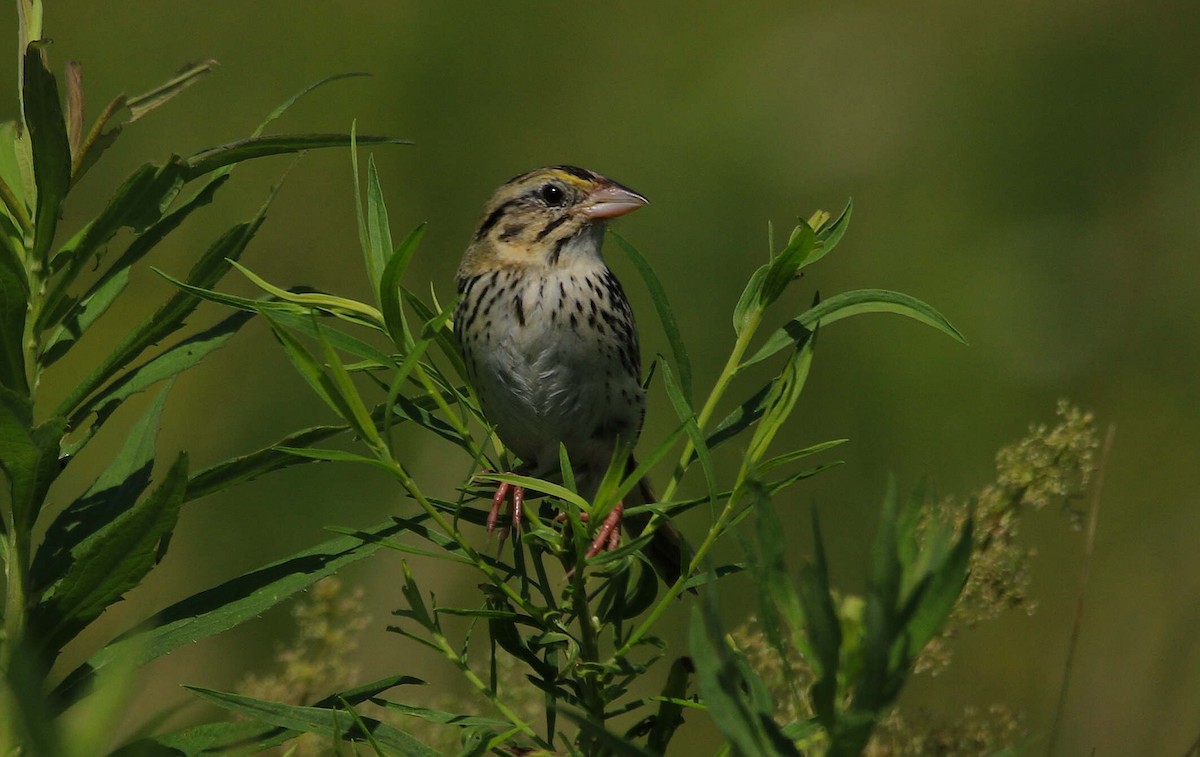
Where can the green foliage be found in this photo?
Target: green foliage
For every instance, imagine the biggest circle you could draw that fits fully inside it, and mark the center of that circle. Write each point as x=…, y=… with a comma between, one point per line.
x=585, y=643
x=583, y=634
x=104, y=542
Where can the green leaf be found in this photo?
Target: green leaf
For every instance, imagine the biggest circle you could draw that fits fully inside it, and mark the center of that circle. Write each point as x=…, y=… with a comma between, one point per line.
x=51, y=148
x=538, y=485
x=246, y=736
x=319, y=720
x=148, y=101
x=139, y=203
x=115, y=491
x=441, y=716
x=684, y=411
x=293, y=316
x=829, y=236
x=379, y=232
x=782, y=612
x=288, y=103
x=334, y=387
x=789, y=457
x=223, y=607
x=170, y=316
x=26, y=709
x=167, y=364
x=784, y=266
x=824, y=631
x=248, y=467
x=939, y=595
x=28, y=456
x=610, y=742
x=334, y=456
x=277, y=144
x=737, y=699
x=12, y=185
x=109, y=563
x=749, y=302
x=81, y=317
x=670, y=714
x=665, y=315
x=848, y=304
x=100, y=296
x=443, y=334
x=340, y=306
x=782, y=400
x=742, y=417
x=14, y=302
x=876, y=682
x=389, y=286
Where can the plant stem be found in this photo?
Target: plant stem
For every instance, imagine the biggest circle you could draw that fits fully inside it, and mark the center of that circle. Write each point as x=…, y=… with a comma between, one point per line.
x=401, y=475
x=710, y=405
x=15, y=594
x=1085, y=572
x=714, y=397
x=447, y=649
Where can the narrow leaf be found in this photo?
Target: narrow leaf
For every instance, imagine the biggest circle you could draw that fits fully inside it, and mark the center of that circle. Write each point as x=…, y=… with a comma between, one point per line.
x=318, y=720
x=139, y=202
x=170, y=316
x=51, y=148
x=848, y=304
x=223, y=607
x=14, y=302
x=782, y=400
x=28, y=456
x=288, y=103
x=665, y=315
x=282, y=144
x=82, y=316
x=239, y=470
x=784, y=266
x=115, y=491
x=379, y=233
x=830, y=235
x=389, y=284
x=684, y=411
x=110, y=563
x=74, y=106
x=749, y=302
x=168, y=90
x=212, y=738
x=167, y=364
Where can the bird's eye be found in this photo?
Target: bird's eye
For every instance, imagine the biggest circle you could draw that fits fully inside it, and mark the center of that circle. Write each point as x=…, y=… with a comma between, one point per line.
x=552, y=194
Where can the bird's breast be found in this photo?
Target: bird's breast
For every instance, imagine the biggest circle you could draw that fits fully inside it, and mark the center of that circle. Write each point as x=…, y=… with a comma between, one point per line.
x=553, y=358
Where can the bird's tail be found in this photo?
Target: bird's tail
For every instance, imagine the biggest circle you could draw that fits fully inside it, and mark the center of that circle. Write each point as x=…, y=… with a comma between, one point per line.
x=667, y=550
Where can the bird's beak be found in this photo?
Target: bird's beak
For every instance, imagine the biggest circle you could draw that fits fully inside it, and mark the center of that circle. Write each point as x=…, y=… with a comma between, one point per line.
x=611, y=200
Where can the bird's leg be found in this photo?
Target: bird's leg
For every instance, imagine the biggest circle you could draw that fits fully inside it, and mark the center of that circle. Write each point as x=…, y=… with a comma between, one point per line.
x=516, y=509
x=608, y=536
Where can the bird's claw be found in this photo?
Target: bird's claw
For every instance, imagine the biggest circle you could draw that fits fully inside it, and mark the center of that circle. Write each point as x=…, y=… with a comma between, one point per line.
x=516, y=509
x=608, y=536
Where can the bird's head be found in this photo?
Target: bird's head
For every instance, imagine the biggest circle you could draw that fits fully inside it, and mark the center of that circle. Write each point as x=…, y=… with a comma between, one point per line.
x=547, y=217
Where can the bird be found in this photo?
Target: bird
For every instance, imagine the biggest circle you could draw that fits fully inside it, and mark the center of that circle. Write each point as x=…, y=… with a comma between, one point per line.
x=550, y=345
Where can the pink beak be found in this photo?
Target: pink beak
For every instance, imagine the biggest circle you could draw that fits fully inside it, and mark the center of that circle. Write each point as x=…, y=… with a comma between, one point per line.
x=611, y=200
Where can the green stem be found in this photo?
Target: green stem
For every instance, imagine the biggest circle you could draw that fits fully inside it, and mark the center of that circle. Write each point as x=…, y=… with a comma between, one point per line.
x=15, y=593
x=401, y=475
x=710, y=405
x=448, y=650
x=714, y=397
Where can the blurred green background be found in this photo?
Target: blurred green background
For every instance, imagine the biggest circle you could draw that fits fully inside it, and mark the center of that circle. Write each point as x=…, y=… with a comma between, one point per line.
x=1032, y=170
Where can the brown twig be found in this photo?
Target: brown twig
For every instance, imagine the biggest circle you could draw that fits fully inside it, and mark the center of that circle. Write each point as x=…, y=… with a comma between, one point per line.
x=1088, y=551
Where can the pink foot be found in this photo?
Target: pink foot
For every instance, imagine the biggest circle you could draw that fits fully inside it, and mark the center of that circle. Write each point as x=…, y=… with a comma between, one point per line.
x=516, y=509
